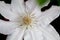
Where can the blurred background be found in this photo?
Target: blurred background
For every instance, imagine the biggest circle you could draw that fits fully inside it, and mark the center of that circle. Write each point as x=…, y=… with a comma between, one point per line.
x=55, y=23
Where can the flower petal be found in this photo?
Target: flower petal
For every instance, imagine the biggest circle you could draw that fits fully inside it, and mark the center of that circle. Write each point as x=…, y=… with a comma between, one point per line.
x=30, y=5
x=7, y=27
x=49, y=33
x=18, y=6
x=53, y=32
x=36, y=33
x=44, y=33
x=6, y=11
x=49, y=15
x=16, y=35
x=36, y=12
x=27, y=35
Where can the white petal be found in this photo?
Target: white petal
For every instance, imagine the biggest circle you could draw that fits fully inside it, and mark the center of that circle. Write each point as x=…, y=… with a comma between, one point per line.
x=49, y=15
x=30, y=5
x=36, y=12
x=7, y=27
x=47, y=33
x=53, y=32
x=18, y=6
x=6, y=11
x=27, y=35
x=36, y=34
x=16, y=35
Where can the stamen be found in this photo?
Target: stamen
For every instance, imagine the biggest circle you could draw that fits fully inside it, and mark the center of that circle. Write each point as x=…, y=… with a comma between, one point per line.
x=27, y=20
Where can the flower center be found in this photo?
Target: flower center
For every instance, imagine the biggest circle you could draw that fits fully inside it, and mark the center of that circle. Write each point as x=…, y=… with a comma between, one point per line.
x=27, y=20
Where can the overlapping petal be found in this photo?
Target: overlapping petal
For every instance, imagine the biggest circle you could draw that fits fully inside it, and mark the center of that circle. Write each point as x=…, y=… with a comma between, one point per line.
x=30, y=5
x=7, y=27
x=16, y=35
x=18, y=6
x=49, y=33
x=53, y=32
x=44, y=33
x=36, y=12
x=33, y=33
x=36, y=33
x=5, y=10
x=28, y=35
x=49, y=15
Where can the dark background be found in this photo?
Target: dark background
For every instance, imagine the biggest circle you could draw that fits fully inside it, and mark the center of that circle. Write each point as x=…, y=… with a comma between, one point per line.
x=55, y=23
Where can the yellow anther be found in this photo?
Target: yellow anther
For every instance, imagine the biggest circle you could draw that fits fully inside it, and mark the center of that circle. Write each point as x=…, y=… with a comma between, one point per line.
x=27, y=20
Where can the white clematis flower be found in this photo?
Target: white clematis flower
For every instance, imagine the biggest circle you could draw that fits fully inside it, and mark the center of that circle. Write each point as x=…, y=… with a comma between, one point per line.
x=27, y=22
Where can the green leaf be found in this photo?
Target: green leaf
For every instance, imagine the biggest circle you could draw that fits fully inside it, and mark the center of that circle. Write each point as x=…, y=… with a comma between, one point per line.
x=41, y=2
